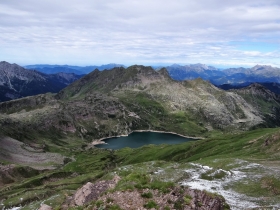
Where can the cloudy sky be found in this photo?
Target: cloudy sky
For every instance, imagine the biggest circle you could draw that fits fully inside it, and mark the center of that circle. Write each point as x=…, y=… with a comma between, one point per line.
x=149, y=32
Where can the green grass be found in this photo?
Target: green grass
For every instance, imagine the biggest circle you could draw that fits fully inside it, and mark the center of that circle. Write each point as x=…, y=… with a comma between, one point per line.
x=226, y=147
x=93, y=164
x=187, y=199
x=147, y=195
x=155, y=116
x=136, y=180
x=151, y=204
x=265, y=186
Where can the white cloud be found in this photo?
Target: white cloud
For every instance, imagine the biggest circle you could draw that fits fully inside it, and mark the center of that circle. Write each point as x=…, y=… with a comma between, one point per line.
x=129, y=31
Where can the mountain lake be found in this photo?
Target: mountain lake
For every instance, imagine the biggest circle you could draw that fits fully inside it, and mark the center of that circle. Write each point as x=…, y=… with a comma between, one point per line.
x=139, y=139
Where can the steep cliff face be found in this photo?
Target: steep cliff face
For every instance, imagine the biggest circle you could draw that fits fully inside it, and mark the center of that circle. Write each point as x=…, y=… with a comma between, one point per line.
x=266, y=102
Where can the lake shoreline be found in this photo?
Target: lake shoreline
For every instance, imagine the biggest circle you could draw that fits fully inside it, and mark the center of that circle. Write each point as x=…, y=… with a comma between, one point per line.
x=101, y=141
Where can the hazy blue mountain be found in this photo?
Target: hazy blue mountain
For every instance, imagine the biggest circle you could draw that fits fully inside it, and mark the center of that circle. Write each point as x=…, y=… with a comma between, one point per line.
x=258, y=73
x=80, y=70
x=58, y=69
x=194, y=71
x=233, y=76
x=17, y=82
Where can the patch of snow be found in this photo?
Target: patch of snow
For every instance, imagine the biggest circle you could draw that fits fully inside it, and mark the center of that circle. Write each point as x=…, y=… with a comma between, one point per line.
x=159, y=171
x=234, y=199
x=50, y=198
x=201, y=166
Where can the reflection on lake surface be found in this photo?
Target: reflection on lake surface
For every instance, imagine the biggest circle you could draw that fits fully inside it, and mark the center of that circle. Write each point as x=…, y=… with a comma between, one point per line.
x=139, y=139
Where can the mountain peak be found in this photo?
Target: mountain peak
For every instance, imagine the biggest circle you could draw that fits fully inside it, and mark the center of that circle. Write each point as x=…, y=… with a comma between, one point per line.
x=4, y=62
x=17, y=82
x=261, y=67
x=164, y=72
x=175, y=65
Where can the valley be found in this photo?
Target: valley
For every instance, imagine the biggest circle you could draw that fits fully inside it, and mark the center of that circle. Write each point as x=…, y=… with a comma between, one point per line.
x=49, y=137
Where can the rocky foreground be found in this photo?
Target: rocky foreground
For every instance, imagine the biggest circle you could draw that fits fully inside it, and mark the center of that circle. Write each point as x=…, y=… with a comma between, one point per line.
x=101, y=195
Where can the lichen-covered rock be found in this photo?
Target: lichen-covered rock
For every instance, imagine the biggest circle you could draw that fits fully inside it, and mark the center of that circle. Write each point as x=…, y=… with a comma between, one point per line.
x=85, y=194
x=45, y=207
x=177, y=198
x=91, y=191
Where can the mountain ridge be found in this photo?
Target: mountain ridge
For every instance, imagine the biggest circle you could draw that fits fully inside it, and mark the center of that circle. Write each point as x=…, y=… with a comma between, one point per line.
x=233, y=76
x=80, y=70
x=17, y=82
x=118, y=101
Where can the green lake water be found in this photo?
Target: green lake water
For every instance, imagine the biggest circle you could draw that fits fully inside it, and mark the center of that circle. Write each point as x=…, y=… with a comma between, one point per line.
x=139, y=139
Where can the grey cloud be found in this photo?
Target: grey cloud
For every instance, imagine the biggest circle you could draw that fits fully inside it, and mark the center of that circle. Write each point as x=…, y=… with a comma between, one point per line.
x=124, y=30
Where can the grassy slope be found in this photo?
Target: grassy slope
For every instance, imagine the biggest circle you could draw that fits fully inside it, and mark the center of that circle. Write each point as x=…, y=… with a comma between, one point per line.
x=157, y=117
x=93, y=164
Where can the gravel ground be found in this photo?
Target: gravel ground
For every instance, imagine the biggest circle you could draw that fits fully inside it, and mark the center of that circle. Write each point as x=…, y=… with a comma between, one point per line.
x=13, y=151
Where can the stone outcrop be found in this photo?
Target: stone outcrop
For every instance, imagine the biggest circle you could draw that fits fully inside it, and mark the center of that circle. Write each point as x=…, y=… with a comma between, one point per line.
x=90, y=191
x=204, y=200
x=45, y=207
x=178, y=198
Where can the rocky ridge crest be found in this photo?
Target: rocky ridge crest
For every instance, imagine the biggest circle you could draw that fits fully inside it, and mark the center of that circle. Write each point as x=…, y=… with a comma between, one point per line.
x=101, y=105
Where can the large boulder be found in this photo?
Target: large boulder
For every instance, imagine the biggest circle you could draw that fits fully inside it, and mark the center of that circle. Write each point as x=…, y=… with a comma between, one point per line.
x=85, y=194
x=90, y=191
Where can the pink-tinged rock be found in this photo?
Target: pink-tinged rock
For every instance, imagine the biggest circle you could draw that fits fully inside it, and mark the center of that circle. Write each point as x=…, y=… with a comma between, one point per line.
x=45, y=207
x=90, y=192
x=84, y=194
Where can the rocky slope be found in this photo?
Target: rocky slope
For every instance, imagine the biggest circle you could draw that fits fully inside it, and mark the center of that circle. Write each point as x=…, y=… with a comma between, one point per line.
x=17, y=82
x=266, y=102
x=198, y=98
x=272, y=86
x=174, y=198
x=118, y=101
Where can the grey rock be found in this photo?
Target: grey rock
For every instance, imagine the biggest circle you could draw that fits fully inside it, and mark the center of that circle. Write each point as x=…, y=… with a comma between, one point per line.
x=90, y=192
x=45, y=207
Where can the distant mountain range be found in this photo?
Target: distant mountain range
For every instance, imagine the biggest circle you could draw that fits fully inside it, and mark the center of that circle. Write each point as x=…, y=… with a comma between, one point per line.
x=233, y=76
x=17, y=82
x=53, y=69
